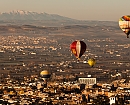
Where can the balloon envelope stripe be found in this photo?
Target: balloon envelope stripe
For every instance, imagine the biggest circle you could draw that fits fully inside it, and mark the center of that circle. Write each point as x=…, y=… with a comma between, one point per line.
x=45, y=76
x=83, y=48
x=78, y=48
x=73, y=48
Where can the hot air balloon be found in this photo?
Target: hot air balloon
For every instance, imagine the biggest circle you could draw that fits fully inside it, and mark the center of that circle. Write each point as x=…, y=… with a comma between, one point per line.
x=91, y=62
x=124, y=23
x=45, y=74
x=78, y=48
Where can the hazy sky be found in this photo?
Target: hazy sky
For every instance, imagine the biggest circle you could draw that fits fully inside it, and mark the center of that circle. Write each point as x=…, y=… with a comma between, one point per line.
x=109, y=10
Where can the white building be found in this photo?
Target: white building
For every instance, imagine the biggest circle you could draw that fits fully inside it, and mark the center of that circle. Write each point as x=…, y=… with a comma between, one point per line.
x=112, y=100
x=87, y=81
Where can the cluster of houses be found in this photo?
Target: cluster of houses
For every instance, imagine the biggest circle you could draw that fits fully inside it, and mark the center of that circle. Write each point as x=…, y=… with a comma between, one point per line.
x=82, y=91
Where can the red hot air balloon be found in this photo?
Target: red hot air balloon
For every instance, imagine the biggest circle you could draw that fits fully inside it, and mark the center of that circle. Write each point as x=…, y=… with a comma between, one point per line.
x=78, y=48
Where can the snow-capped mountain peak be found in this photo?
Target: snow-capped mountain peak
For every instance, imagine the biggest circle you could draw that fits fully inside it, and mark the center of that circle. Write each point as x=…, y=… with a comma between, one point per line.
x=22, y=12
x=29, y=15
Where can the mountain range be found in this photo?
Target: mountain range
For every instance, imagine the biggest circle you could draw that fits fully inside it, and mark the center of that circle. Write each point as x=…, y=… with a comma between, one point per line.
x=21, y=17
x=28, y=15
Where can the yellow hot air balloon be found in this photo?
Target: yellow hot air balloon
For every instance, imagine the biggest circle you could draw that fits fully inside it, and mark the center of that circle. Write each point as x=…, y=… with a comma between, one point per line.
x=45, y=74
x=91, y=62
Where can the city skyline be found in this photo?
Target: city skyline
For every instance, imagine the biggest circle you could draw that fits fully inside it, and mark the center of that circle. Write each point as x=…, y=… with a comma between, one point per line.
x=76, y=9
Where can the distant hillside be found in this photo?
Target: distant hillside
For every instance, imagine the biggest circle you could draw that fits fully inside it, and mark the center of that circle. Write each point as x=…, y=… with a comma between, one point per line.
x=27, y=15
x=21, y=17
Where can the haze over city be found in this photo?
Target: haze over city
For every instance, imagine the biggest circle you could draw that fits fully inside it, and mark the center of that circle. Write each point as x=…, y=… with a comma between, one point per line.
x=103, y=10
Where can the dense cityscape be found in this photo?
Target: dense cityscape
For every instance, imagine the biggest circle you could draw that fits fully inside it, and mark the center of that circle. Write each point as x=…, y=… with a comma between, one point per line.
x=27, y=50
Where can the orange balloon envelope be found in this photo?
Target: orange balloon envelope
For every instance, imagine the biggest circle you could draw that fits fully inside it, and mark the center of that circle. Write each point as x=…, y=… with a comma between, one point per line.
x=124, y=23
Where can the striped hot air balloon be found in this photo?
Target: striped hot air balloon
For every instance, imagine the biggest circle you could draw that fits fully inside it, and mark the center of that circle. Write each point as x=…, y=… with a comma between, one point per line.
x=78, y=48
x=124, y=24
x=45, y=74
